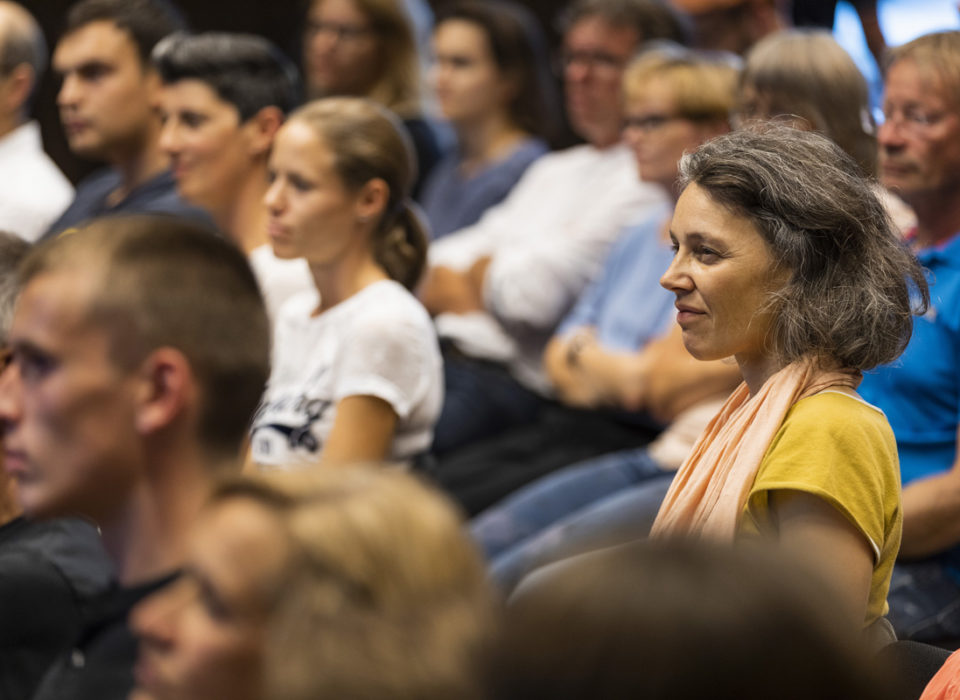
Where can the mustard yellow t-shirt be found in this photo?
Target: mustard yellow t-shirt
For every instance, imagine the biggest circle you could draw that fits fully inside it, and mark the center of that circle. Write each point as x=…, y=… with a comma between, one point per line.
x=837, y=447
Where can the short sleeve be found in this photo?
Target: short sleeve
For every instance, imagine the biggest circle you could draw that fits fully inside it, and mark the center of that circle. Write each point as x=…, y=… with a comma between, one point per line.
x=842, y=450
x=386, y=355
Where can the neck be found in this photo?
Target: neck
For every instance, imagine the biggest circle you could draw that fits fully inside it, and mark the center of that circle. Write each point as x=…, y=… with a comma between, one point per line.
x=344, y=278
x=938, y=218
x=486, y=140
x=757, y=370
x=10, y=122
x=141, y=163
x=147, y=538
x=244, y=216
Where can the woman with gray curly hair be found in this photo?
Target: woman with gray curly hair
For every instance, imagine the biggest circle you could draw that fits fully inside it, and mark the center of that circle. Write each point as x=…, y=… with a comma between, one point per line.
x=786, y=260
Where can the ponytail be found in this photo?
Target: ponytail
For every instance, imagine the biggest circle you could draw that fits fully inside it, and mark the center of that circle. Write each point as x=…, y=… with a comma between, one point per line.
x=401, y=248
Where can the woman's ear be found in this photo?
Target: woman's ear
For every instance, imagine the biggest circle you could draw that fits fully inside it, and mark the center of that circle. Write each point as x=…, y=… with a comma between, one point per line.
x=372, y=199
x=166, y=389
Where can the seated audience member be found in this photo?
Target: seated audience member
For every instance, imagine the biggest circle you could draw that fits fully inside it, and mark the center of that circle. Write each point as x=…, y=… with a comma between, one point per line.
x=681, y=622
x=500, y=287
x=920, y=161
x=224, y=96
x=366, y=48
x=493, y=84
x=612, y=352
x=33, y=191
x=786, y=260
x=47, y=568
x=733, y=25
x=600, y=362
x=806, y=77
x=121, y=403
x=357, y=372
x=328, y=584
x=108, y=105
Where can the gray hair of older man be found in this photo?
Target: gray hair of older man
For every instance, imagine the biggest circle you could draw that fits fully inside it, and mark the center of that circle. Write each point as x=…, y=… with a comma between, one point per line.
x=12, y=250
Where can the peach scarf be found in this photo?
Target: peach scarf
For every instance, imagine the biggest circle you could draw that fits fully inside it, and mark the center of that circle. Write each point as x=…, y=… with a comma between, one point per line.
x=711, y=487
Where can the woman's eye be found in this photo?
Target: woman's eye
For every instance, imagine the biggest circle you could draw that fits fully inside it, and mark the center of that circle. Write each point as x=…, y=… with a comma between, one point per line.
x=708, y=255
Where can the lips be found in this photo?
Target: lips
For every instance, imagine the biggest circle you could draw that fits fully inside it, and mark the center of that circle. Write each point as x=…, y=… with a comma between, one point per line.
x=277, y=232
x=687, y=313
x=74, y=126
x=15, y=464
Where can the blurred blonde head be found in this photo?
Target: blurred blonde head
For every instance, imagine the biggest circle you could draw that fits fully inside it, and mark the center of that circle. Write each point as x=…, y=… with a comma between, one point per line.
x=382, y=594
x=704, y=89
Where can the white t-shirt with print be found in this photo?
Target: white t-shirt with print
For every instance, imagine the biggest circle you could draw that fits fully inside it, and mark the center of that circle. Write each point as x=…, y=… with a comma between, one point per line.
x=379, y=342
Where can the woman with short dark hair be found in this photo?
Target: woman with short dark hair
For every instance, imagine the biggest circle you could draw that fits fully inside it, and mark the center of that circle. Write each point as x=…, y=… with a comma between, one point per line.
x=787, y=261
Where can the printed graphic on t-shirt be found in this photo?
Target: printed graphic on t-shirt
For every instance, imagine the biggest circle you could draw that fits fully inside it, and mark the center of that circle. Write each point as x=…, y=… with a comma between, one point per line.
x=287, y=425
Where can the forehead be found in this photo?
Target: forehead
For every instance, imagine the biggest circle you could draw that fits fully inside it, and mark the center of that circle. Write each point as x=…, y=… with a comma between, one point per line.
x=53, y=308
x=907, y=80
x=195, y=95
x=100, y=42
x=651, y=90
x=240, y=546
x=343, y=10
x=594, y=33
x=299, y=141
x=462, y=35
x=698, y=212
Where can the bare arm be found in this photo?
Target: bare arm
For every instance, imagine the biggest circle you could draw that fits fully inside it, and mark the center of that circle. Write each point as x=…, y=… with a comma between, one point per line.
x=362, y=431
x=587, y=375
x=931, y=513
x=445, y=290
x=678, y=380
x=662, y=378
x=828, y=545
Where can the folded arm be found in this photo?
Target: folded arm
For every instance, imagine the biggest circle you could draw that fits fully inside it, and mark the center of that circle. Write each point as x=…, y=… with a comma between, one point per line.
x=931, y=514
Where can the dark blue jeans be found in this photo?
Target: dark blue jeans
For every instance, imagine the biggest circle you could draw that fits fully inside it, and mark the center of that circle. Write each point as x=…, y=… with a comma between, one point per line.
x=924, y=601
x=597, y=503
x=481, y=399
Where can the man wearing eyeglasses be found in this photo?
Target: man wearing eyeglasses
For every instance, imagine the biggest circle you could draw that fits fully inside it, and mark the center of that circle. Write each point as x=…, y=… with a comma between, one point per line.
x=919, y=159
x=499, y=288
x=33, y=192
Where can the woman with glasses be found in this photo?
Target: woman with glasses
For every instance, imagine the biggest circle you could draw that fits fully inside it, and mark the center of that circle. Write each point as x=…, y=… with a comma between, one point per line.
x=366, y=48
x=614, y=354
x=492, y=84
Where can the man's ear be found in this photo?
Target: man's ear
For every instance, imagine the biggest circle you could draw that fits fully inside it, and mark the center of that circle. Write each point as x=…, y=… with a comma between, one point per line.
x=166, y=389
x=15, y=89
x=261, y=129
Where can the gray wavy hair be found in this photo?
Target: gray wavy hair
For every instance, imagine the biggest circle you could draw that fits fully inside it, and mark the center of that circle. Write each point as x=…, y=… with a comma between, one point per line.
x=854, y=286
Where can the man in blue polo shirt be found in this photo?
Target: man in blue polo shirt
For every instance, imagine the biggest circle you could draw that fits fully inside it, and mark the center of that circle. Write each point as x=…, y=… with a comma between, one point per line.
x=920, y=392
x=107, y=107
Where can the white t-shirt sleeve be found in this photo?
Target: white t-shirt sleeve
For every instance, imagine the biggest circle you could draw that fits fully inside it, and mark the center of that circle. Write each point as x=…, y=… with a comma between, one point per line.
x=384, y=355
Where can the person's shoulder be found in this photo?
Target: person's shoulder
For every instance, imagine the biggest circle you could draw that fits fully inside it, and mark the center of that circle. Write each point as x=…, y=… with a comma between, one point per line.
x=839, y=418
x=388, y=302
x=834, y=406
x=98, y=184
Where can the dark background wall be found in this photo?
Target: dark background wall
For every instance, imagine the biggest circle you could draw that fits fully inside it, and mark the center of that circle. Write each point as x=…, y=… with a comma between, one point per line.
x=278, y=20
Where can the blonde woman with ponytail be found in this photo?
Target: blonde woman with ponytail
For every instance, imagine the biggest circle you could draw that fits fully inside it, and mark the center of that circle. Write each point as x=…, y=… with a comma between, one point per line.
x=356, y=366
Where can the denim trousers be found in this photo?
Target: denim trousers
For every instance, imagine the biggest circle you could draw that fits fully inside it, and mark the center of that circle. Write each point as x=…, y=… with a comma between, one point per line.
x=596, y=503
